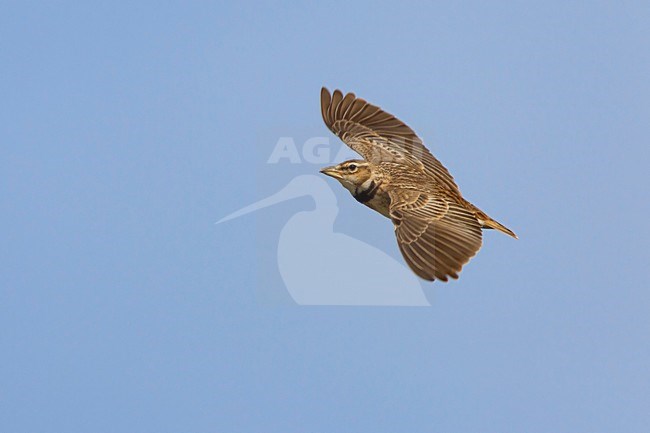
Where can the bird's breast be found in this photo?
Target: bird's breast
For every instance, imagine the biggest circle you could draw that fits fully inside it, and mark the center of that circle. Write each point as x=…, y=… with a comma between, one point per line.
x=373, y=196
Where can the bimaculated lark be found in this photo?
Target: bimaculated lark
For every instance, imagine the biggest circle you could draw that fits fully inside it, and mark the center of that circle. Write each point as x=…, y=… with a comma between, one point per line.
x=437, y=230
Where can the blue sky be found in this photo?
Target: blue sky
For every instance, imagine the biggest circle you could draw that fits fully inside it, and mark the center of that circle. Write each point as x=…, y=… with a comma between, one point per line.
x=128, y=130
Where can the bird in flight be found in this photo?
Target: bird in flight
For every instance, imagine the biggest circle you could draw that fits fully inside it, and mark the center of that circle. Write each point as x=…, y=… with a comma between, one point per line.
x=437, y=230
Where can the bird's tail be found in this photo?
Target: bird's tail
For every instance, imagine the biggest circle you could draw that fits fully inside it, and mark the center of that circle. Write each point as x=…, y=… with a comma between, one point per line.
x=492, y=224
x=489, y=223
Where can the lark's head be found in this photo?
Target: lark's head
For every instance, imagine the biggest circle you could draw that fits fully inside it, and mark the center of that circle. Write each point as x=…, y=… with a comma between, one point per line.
x=350, y=173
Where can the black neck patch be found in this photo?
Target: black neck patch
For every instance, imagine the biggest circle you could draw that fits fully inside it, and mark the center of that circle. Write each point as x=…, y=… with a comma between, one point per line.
x=367, y=194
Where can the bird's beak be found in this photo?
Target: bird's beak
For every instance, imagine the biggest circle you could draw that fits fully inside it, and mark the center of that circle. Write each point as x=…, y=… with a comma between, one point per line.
x=332, y=172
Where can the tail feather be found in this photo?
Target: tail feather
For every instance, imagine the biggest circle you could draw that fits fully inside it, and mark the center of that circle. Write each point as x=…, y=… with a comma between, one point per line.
x=489, y=223
x=492, y=224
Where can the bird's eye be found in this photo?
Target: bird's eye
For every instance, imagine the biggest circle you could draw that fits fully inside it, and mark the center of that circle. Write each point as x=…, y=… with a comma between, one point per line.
x=352, y=167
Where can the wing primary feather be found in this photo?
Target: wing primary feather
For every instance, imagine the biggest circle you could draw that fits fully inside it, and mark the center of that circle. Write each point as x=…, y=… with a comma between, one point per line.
x=380, y=136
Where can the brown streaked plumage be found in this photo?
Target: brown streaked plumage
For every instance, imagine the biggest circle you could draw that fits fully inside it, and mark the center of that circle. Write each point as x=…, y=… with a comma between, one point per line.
x=437, y=230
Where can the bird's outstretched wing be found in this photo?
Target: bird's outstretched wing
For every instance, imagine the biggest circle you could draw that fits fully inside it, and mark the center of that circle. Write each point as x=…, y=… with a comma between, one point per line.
x=435, y=235
x=379, y=136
